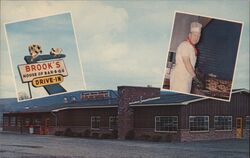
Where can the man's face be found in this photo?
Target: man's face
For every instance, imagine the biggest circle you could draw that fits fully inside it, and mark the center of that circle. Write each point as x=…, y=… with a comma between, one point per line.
x=194, y=37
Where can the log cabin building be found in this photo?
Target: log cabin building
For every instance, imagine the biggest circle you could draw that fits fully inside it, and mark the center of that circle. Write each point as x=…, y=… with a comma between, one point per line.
x=141, y=113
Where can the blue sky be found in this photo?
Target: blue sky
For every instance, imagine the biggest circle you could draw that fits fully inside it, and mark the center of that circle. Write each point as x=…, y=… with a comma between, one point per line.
x=49, y=32
x=126, y=43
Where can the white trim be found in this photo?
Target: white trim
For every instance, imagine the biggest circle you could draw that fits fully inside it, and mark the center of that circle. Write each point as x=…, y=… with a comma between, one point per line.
x=189, y=101
x=242, y=90
x=198, y=131
x=166, y=131
x=194, y=100
x=143, y=105
x=224, y=129
x=228, y=130
x=199, y=99
x=145, y=100
x=91, y=123
x=84, y=107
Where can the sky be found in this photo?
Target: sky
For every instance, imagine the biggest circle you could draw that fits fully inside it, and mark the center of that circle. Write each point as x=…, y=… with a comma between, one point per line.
x=124, y=43
x=49, y=32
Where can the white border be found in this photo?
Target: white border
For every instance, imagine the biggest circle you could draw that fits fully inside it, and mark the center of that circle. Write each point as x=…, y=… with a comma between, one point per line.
x=77, y=48
x=84, y=107
x=237, y=54
x=144, y=100
x=167, y=131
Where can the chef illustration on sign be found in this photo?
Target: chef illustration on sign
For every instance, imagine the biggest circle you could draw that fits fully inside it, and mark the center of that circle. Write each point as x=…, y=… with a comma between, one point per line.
x=184, y=72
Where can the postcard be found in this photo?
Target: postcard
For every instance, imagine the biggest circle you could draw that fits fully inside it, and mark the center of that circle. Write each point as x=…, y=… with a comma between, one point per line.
x=44, y=56
x=202, y=56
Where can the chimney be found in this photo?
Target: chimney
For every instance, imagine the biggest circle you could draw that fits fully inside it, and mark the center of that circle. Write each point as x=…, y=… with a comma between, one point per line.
x=130, y=95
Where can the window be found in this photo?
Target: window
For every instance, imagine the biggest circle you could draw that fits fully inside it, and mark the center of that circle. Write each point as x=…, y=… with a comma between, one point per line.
x=5, y=121
x=12, y=121
x=27, y=122
x=166, y=123
x=223, y=122
x=199, y=123
x=19, y=121
x=95, y=122
x=248, y=122
x=37, y=121
x=113, y=122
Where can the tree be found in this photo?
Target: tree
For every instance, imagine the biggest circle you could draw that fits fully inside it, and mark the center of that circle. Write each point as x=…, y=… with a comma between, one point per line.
x=23, y=95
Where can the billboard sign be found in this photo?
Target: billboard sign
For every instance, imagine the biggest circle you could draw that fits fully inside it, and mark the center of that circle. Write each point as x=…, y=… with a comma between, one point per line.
x=48, y=80
x=29, y=72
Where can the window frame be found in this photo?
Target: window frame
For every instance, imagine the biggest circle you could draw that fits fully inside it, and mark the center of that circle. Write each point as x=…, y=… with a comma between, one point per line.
x=224, y=129
x=37, y=121
x=200, y=131
x=19, y=121
x=12, y=123
x=92, y=122
x=155, y=130
x=248, y=116
x=116, y=118
x=6, y=121
x=27, y=120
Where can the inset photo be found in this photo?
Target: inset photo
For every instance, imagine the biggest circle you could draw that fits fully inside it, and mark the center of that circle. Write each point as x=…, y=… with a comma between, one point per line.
x=44, y=56
x=202, y=56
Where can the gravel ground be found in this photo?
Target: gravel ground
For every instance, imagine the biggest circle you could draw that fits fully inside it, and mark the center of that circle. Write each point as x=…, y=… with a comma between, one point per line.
x=36, y=146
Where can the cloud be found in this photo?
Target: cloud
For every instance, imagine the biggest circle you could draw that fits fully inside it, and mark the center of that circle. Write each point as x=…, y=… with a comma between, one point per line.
x=7, y=86
x=241, y=77
x=124, y=43
x=88, y=23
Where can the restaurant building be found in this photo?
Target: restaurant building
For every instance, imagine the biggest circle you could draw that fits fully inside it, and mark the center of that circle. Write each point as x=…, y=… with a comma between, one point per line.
x=138, y=113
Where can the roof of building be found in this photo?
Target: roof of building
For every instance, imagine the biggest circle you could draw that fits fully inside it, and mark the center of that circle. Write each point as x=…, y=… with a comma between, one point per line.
x=178, y=99
x=166, y=98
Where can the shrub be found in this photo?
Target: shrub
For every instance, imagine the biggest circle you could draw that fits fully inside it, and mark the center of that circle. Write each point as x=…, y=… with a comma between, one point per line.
x=58, y=133
x=156, y=138
x=76, y=134
x=86, y=133
x=168, y=138
x=130, y=135
x=106, y=136
x=79, y=134
x=114, y=134
x=145, y=137
x=68, y=132
x=95, y=135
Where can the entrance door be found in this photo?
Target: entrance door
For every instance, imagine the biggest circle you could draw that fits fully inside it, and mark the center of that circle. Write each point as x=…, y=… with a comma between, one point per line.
x=239, y=127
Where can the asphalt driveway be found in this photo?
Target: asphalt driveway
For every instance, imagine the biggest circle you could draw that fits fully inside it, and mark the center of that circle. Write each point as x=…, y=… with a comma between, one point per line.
x=36, y=146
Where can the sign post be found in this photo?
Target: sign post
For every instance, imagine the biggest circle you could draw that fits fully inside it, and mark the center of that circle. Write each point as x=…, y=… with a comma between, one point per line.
x=29, y=90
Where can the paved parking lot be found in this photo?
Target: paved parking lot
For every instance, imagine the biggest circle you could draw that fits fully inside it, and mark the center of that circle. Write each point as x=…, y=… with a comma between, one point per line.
x=35, y=146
